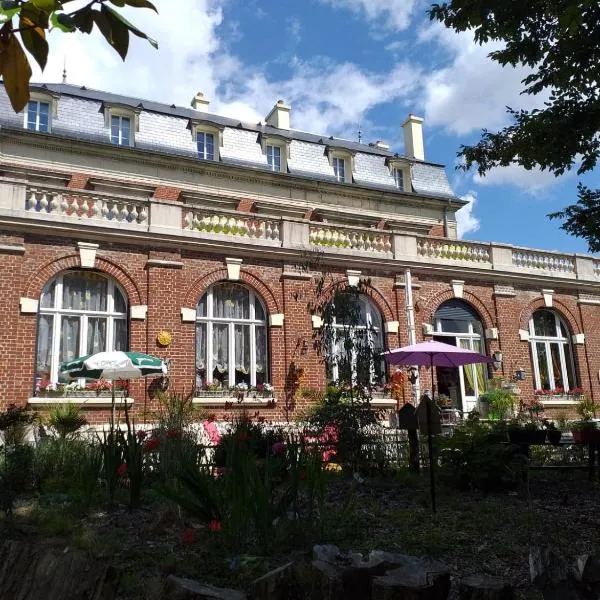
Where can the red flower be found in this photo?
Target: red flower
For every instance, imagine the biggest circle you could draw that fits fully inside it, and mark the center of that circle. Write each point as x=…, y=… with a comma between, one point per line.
x=173, y=433
x=151, y=444
x=141, y=435
x=215, y=525
x=188, y=536
x=122, y=470
x=278, y=448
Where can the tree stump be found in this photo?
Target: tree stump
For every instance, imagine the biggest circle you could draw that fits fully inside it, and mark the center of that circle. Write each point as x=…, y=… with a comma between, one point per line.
x=179, y=588
x=412, y=584
x=482, y=587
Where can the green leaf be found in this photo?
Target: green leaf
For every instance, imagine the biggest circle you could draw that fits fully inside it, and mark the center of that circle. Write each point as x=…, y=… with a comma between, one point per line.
x=131, y=27
x=120, y=32
x=103, y=25
x=120, y=3
x=83, y=19
x=141, y=4
x=34, y=39
x=62, y=21
x=15, y=71
x=45, y=5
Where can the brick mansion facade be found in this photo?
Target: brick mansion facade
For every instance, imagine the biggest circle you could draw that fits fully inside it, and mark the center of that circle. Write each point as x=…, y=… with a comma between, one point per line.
x=128, y=224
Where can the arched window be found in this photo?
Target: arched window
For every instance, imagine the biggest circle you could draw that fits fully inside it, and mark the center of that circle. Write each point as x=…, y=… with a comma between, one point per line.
x=231, y=337
x=551, y=351
x=458, y=324
x=81, y=312
x=353, y=340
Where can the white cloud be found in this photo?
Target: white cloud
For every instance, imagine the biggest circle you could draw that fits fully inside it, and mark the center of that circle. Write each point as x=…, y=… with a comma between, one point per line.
x=466, y=221
x=293, y=27
x=392, y=14
x=534, y=182
x=471, y=91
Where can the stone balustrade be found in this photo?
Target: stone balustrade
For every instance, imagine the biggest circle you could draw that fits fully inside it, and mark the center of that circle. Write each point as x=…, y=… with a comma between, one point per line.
x=82, y=205
x=543, y=261
x=350, y=239
x=453, y=250
x=234, y=226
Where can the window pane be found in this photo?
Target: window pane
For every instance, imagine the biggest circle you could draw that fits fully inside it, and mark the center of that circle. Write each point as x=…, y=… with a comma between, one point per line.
x=563, y=330
x=454, y=326
x=210, y=146
x=559, y=381
x=96, y=335
x=32, y=109
x=468, y=370
x=242, y=353
x=47, y=300
x=541, y=358
x=125, y=128
x=43, y=116
x=231, y=301
x=201, y=308
x=570, y=367
x=262, y=375
x=84, y=291
x=399, y=178
x=44, y=346
x=120, y=335
x=115, y=128
x=201, y=349
x=69, y=338
x=220, y=352
x=119, y=301
x=544, y=324
x=259, y=311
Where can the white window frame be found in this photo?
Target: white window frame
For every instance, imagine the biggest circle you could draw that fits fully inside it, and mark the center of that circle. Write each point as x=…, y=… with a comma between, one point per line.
x=45, y=98
x=334, y=349
x=207, y=128
x=215, y=150
x=272, y=167
x=121, y=141
x=37, y=116
x=564, y=355
x=276, y=141
x=401, y=167
x=134, y=122
x=252, y=321
x=348, y=158
x=57, y=312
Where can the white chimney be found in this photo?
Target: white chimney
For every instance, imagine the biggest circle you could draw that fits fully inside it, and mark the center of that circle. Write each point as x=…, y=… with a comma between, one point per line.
x=413, y=137
x=199, y=102
x=279, y=116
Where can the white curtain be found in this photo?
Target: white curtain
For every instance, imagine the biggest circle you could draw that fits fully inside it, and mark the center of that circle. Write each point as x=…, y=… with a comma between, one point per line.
x=47, y=300
x=44, y=345
x=96, y=335
x=231, y=301
x=69, y=338
x=120, y=335
x=84, y=292
x=242, y=348
x=261, y=349
x=220, y=347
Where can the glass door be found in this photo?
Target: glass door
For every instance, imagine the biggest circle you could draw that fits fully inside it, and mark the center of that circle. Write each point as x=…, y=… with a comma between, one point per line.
x=472, y=377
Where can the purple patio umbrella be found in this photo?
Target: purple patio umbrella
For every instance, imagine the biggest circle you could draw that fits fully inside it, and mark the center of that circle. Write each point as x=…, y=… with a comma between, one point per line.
x=433, y=354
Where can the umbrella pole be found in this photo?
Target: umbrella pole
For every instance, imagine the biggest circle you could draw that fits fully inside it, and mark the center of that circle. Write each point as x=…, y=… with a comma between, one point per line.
x=112, y=413
x=430, y=441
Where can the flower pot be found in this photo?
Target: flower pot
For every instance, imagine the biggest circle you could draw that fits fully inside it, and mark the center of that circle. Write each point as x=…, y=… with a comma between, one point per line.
x=554, y=436
x=527, y=436
x=587, y=436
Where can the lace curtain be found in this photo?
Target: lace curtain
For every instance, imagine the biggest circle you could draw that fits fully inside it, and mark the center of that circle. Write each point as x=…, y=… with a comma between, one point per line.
x=44, y=345
x=231, y=301
x=84, y=292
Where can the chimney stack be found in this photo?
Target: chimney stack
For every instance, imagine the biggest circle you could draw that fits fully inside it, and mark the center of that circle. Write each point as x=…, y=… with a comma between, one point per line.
x=199, y=102
x=413, y=137
x=279, y=116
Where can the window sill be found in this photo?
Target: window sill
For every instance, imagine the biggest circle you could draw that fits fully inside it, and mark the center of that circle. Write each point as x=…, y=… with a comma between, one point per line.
x=232, y=401
x=95, y=402
x=559, y=400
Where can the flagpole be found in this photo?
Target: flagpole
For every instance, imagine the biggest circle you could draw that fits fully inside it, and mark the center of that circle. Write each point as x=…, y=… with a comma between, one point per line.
x=430, y=440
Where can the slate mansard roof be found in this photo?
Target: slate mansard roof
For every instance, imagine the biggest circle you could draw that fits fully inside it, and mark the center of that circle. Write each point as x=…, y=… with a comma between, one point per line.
x=166, y=129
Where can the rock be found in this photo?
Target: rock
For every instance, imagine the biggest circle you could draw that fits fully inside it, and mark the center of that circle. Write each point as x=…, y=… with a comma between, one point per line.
x=327, y=553
x=178, y=588
x=357, y=577
x=402, y=584
x=482, y=587
x=42, y=572
x=165, y=517
x=551, y=574
x=278, y=584
x=326, y=581
x=588, y=568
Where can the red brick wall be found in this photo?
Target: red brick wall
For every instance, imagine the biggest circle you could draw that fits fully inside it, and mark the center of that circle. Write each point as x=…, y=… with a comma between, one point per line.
x=185, y=276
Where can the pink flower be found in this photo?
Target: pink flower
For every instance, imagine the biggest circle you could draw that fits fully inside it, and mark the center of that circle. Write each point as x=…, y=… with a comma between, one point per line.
x=215, y=525
x=213, y=433
x=188, y=536
x=278, y=448
x=151, y=444
x=328, y=455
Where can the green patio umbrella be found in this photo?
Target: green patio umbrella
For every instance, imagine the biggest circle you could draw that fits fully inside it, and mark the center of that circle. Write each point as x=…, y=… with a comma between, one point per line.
x=113, y=365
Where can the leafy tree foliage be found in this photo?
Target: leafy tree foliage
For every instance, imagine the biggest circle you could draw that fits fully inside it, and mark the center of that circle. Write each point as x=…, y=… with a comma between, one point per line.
x=32, y=19
x=559, y=42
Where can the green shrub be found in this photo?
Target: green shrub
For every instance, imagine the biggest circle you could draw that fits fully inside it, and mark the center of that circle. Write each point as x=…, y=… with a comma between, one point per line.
x=66, y=419
x=501, y=402
x=475, y=457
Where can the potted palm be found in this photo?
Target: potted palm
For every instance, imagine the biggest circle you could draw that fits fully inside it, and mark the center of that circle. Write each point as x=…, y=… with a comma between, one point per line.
x=500, y=403
x=586, y=430
x=525, y=432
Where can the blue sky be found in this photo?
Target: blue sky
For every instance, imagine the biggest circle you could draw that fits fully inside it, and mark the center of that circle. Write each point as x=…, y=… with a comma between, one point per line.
x=342, y=65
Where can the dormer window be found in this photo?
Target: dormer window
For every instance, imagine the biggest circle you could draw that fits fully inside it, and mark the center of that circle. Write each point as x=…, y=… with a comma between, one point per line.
x=398, y=175
x=120, y=130
x=339, y=168
x=37, y=117
x=274, y=157
x=206, y=145
x=122, y=122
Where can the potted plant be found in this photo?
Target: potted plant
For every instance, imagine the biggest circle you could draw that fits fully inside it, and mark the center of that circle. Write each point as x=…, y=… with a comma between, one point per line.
x=553, y=433
x=500, y=402
x=585, y=432
x=525, y=432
